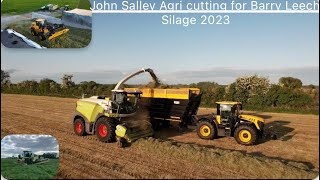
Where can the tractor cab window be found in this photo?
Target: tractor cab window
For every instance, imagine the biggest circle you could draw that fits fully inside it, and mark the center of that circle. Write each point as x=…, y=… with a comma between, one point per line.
x=225, y=111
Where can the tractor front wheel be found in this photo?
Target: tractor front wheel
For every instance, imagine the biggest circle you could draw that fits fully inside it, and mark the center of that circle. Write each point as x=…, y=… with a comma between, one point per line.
x=79, y=127
x=246, y=135
x=105, y=129
x=206, y=130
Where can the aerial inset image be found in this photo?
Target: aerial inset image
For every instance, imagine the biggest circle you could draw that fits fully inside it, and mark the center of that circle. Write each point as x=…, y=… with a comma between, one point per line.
x=29, y=157
x=46, y=24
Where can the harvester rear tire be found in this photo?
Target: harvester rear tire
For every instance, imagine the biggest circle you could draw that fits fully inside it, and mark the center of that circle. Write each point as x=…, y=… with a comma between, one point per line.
x=105, y=129
x=246, y=135
x=79, y=127
x=206, y=130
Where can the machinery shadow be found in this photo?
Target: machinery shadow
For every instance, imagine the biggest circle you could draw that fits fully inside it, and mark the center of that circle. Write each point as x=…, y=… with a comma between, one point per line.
x=279, y=128
x=298, y=164
x=172, y=131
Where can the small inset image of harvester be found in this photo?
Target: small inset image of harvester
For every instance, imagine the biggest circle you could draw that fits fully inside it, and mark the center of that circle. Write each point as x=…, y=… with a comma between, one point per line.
x=31, y=156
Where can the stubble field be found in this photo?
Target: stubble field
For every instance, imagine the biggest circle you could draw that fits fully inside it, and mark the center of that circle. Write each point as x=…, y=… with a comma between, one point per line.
x=170, y=154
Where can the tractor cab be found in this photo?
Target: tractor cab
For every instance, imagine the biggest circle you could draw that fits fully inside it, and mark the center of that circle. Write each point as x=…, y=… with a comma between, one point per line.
x=125, y=102
x=227, y=112
x=40, y=23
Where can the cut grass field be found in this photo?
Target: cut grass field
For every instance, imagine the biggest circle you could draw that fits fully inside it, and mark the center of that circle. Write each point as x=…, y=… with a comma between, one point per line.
x=14, y=7
x=11, y=169
x=75, y=38
x=171, y=154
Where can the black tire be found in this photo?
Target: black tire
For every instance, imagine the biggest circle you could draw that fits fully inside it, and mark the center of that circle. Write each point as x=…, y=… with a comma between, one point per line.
x=105, y=129
x=246, y=135
x=206, y=130
x=79, y=127
x=34, y=32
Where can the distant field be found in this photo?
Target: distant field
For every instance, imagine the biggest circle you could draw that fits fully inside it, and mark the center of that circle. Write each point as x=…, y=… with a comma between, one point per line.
x=14, y=7
x=75, y=38
x=10, y=169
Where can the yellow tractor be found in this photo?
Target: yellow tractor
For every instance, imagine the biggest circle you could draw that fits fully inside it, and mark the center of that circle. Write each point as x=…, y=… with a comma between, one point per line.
x=229, y=121
x=41, y=28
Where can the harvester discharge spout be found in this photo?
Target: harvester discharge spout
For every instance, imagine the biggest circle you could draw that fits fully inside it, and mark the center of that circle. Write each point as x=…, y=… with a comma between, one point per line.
x=150, y=71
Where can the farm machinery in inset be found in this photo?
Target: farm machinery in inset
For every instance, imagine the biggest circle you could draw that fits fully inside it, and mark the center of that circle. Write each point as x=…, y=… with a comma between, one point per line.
x=45, y=30
x=28, y=158
x=229, y=121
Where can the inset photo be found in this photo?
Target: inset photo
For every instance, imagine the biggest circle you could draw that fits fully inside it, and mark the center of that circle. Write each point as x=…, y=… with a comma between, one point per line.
x=46, y=23
x=29, y=157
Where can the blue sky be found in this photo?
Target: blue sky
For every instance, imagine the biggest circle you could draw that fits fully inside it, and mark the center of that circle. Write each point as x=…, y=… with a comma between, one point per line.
x=272, y=45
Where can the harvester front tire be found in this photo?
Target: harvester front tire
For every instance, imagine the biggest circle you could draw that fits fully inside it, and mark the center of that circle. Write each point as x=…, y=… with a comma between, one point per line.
x=79, y=127
x=206, y=130
x=105, y=129
x=246, y=135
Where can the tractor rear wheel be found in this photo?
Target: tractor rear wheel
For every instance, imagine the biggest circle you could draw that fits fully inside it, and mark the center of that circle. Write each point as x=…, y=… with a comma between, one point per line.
x=246, y=135
x=105, y=129
x=206, y=130
x=79, y=127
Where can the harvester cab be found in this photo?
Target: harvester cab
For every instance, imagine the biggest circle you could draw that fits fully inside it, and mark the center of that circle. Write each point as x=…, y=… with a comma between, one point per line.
x=28, y=158
x=45, y=30
x=122, y=103
x=229, y=121
x=27, y=154
x=107, y=117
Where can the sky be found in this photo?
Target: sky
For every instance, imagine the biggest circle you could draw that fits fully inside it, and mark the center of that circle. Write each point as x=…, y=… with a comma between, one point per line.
x=272, y=45
x=13, y=145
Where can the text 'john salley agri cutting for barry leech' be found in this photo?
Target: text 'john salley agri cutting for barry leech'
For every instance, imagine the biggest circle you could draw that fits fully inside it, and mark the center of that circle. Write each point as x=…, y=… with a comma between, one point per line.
x=205, y=5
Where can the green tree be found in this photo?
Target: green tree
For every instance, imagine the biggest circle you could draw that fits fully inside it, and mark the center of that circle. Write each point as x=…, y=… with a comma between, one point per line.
x=290, y=82
x=67, y=81
x=251, y=86
x=5, y=77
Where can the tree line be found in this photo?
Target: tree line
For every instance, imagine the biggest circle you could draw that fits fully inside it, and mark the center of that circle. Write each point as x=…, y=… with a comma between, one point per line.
x=255, y=92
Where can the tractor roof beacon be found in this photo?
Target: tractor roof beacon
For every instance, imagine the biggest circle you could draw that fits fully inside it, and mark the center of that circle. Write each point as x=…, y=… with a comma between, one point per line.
x=229, y=121
x=103, y=115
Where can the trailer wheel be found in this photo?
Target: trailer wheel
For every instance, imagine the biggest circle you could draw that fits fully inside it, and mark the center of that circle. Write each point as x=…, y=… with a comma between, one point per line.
x=206, y=130
x=105, y=129
x=34, y=32
x=79, y=127
x=246, y=135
